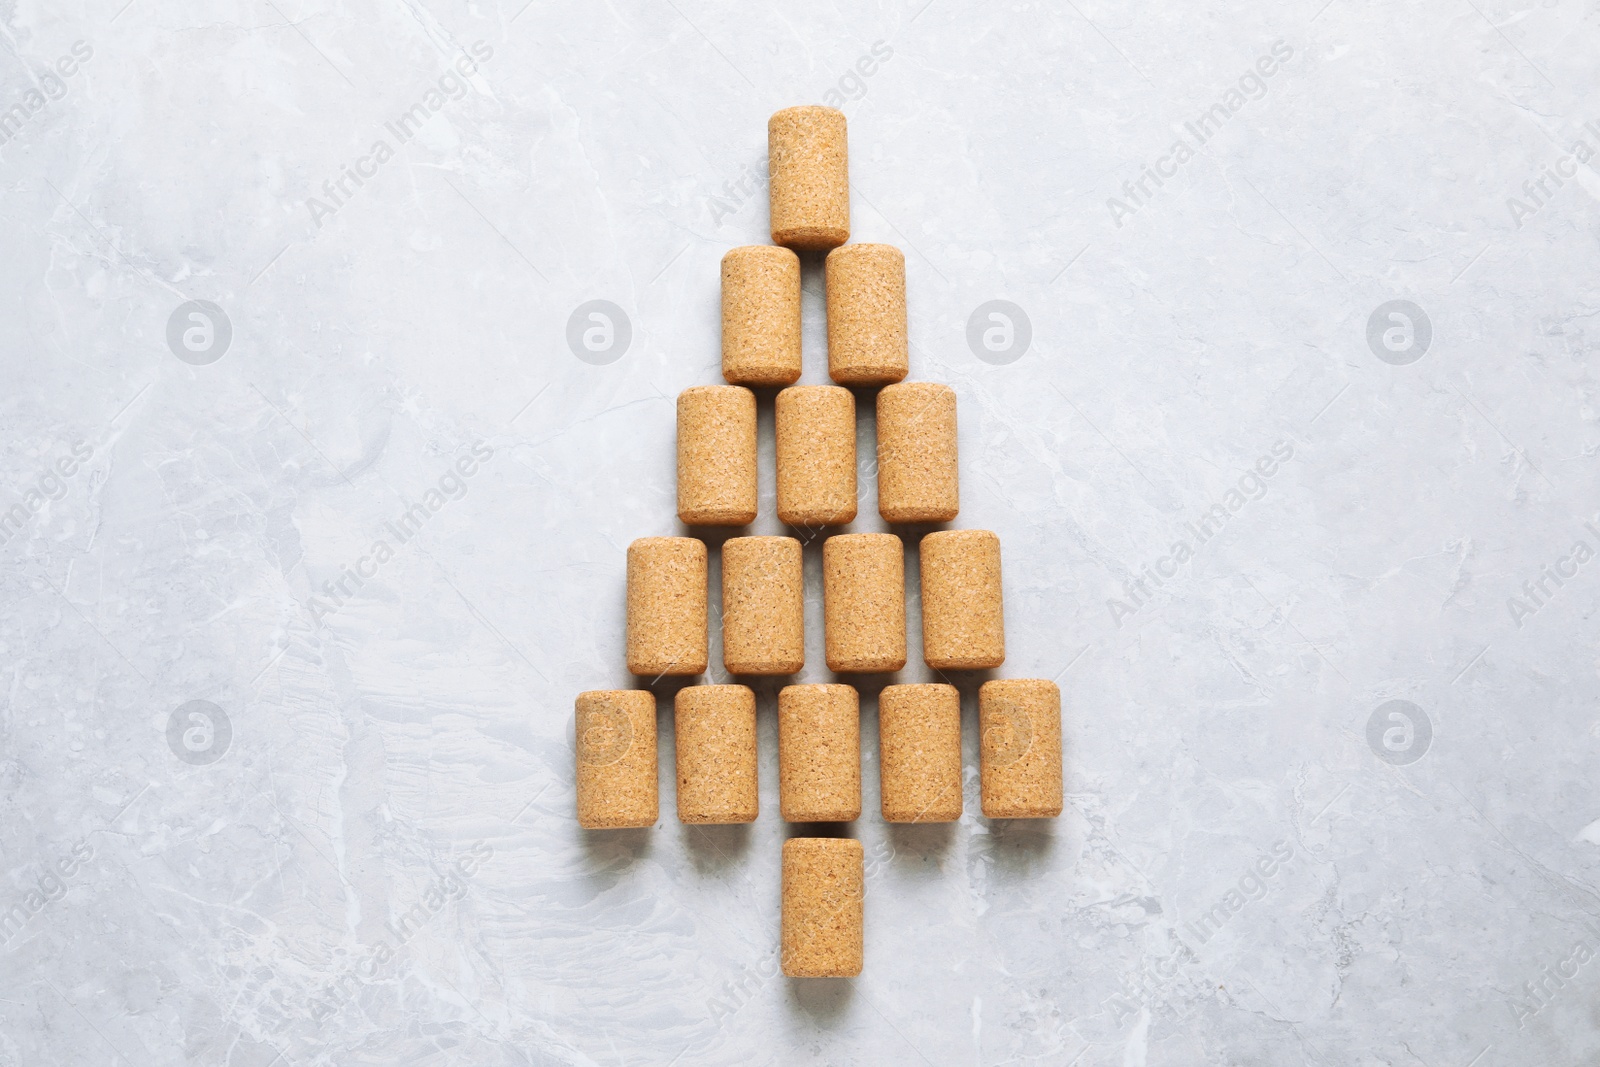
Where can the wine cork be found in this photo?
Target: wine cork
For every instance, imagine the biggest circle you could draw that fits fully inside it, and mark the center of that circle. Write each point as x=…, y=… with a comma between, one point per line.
x=714, y=727
x=616, y=742
x=809, y=171
x=1019, y=721
x=919, y=753
x=763, y=606
x=816, y=429
x=667, y=606
x=917, y=476
x=963, y=624
x=864, y=602
x=717, y=455
x=761, y=315
x=824, y=881
x=866, y=287
x=819, y=753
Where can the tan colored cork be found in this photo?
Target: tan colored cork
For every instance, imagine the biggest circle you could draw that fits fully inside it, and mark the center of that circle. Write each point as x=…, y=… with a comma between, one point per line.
x=761, y=316
x=715, y=731
x=919, y=753
x=819, y=753
x=824, y=882
x=917, y=475
x=963, y=623
x=667, y=606
x=717, y=455
x=808, y=164
x=1019, y=721
x=816, y=429
x=864, y=602
x=866, y=314
x=763, y=606
x=616, y=741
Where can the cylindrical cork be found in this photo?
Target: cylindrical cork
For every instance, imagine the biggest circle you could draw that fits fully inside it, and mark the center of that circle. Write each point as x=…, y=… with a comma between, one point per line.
x=667, y=606
x=616, y=735
x=809, y=168
x=763, y=606
x=824, y=880
x=866, y=314
x=864, y=602
x=715, y=731
x=717, y=455
x=917, y=474
x=963, y=624
x=919, y=753
x=1019, y=720
x=761, y=315
x=816, y=427
x=819, y=753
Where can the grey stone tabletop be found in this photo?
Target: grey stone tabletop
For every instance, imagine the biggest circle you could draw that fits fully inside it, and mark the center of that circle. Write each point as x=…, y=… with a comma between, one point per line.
x=340, y=347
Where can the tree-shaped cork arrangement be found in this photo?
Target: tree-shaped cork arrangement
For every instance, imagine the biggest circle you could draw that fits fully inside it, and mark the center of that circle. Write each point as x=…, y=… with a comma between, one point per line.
x=864, y=601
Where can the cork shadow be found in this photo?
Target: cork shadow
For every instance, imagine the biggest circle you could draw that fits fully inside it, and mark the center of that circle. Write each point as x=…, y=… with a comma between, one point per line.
x=823, y=1000
x=921, y=841
x=609, y=854
x=712, y=536
x=867, y=682
x=716, y=849
x=912, y=533
x=1021, y=848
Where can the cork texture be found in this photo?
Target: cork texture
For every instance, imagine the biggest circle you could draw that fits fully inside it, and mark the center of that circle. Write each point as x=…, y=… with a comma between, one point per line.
x=824, y=881
x=918, y=479
x=761, y=316
x=866, y=292
x=819, y=753
x=1019, y=722
x=616, y=745
x=963, y=621
x=717, y=455
x=809, y=170
x=714, y=730
x=864, y=602
x=816, y=430
x=763, y=606
x=919, y=753
x=667, y=631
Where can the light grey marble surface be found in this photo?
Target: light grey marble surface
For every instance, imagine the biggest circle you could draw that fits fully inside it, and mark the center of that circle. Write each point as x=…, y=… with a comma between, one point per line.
x=363, y=849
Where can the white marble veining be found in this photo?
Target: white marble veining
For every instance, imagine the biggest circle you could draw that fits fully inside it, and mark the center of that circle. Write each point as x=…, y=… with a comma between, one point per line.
x=369, y=507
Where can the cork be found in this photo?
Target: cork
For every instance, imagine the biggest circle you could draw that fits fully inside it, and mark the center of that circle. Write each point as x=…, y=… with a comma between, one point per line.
x=816, y=429
x=761, y=316
x=616, y=741
x=824, y=880
x=963, y=624
x=864, y=602
x=1019, y=721
x=666, y=606
x=919, y=753
x=819, y=753
x=763, y=606
x=809, y=171
x=714, y=727
x=717, y=455
x=917, y=477
x=866, y=287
